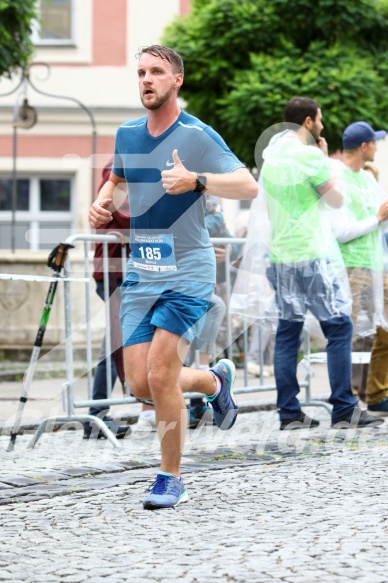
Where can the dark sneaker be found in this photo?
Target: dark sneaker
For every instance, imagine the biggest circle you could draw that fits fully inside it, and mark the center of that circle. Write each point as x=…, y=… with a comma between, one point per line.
x=225, y=408
x=380, y=409
x=200, y=414
x=356, y=418
x=166, y=492
x=301, y=422
x=91, y=430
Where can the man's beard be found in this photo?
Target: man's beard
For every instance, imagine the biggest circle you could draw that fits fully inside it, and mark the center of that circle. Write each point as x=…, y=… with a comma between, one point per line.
x=159, y=101
x=315, y=133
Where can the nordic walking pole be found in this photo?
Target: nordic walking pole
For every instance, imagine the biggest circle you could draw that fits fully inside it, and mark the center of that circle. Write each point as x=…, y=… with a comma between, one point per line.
x=56, y=261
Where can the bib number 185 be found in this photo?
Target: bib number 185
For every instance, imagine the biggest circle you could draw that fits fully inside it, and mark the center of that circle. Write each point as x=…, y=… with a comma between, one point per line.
x=152, y=253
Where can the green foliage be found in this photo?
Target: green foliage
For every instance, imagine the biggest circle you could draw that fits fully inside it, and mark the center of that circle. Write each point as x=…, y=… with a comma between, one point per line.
x=245, y=58
x=346, y=85
x=15, y=30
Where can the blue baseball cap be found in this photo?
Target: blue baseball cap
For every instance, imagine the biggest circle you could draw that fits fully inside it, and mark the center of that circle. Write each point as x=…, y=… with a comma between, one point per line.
x=359, y=132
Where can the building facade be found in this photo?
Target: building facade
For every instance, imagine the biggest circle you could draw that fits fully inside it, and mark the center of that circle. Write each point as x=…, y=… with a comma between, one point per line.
x=81, y=87
x=90, y=48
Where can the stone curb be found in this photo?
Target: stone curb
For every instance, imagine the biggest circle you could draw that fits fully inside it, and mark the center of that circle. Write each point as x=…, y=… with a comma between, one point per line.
x=72, y=480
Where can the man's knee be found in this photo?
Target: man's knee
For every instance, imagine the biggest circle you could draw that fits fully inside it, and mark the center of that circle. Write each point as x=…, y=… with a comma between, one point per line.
x=337, y=328
x=140, y=391
x=159, y=379
x=137, y=382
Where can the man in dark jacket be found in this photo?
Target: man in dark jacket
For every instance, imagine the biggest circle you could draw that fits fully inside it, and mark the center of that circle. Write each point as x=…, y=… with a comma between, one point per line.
x=120, y=223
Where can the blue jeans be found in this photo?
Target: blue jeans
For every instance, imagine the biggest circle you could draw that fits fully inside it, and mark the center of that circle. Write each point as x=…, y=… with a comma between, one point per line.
x=311, y=285
x=338, y=331
x=99, y=382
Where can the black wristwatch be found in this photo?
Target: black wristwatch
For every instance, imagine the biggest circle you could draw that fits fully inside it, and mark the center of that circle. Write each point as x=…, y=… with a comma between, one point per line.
x=200, y=185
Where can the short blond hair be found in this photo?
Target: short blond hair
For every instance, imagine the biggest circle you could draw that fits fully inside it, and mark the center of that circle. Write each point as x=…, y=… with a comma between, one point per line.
x=165, y=53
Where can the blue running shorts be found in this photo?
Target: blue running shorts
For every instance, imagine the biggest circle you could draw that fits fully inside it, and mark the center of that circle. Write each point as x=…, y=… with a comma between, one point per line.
x=179, y=308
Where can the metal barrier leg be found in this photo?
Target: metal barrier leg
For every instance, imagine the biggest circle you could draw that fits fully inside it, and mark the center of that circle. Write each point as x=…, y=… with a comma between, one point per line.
x=65, y=387
x=81, y=418
x=41, y=429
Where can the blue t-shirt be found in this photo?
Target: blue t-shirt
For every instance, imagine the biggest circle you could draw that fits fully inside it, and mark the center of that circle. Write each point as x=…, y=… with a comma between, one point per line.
x=169, y=238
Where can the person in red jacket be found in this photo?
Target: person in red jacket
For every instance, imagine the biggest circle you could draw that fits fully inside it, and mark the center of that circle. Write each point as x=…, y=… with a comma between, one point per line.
x=120, y=222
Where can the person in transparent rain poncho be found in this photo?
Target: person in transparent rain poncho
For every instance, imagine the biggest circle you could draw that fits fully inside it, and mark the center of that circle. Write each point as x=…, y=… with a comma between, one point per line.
x=359, y=227
x=304, y=270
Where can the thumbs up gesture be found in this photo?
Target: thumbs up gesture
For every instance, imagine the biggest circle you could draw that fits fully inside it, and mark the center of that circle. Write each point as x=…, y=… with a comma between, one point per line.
x=178, y=180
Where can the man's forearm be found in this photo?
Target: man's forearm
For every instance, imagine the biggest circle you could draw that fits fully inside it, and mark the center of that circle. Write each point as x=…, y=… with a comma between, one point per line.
x=239, y=184
x=106, y=191
x=347, y=231
x=114, y=190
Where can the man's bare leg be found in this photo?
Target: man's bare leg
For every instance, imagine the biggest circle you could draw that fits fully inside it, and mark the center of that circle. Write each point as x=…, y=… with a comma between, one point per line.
x=154, y=370
x=164, y=366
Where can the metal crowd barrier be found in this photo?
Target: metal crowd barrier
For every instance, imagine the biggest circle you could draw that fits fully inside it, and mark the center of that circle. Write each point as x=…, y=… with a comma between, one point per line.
x=71, y=404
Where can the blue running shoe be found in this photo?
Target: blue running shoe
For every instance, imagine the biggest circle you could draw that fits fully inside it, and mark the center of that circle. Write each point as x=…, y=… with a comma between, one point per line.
x=166, y=492
x=200, y=415
x=225, y=408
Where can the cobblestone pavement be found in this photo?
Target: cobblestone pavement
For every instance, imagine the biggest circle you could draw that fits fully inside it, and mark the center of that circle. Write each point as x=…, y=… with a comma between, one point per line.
x=303, y=506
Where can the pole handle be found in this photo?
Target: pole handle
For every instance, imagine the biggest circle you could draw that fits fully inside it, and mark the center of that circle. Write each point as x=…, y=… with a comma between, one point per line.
x=56, y=259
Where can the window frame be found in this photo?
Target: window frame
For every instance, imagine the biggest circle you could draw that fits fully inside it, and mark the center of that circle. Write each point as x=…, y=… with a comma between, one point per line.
x=35, y=217
x=49, y=42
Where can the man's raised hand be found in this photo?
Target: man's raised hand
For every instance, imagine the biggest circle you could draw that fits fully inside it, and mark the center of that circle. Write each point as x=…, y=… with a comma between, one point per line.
x=178, y=180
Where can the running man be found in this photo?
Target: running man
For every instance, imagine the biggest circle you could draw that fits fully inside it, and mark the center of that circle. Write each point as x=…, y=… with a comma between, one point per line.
x=169, y=159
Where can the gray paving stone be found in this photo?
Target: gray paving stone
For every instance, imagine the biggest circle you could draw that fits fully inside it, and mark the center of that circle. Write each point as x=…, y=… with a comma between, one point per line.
x=16, y=480
x=74, y=471
x=110, y=467
x=50, y=476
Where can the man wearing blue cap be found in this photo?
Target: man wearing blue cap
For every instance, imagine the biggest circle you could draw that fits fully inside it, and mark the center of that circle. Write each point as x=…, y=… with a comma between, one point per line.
x=359, y=230
x=360, y=132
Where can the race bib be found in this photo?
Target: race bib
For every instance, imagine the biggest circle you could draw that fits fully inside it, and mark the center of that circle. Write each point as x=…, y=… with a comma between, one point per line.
x=153, y=252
